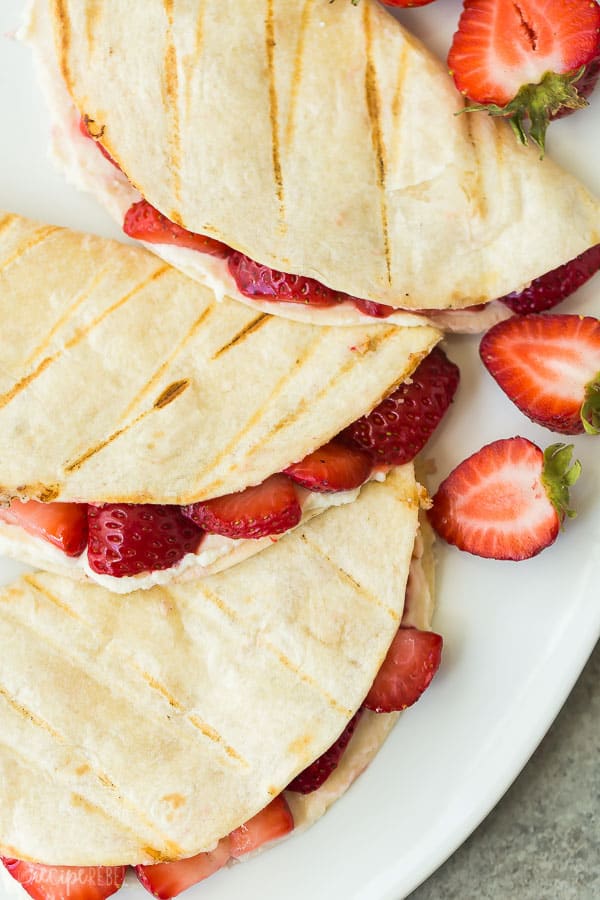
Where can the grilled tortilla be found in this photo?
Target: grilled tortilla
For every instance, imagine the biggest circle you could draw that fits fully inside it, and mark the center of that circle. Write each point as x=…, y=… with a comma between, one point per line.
x=144, y=755
x=337, y=154
x=124, y=381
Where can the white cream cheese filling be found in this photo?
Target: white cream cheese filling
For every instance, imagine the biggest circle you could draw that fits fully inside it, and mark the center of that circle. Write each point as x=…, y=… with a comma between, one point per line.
x=84, y=167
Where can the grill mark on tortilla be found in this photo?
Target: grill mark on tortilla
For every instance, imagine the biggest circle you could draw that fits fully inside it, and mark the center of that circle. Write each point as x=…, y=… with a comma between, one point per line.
x=79, y=335
x=191, y=63
x=92, y=14
x=374, y=110
x=397, y=106
x=307, y=402
x=32, y=717
x=172, y=392
x=52, y=598
x=6, y=221
x=475, y=190
x=202, y=726
x=297, y=71
x=171, y=86
x=168, y=361
x=76, y=463
x=64, y=318
x=273, y=109
x=348, y=579
x=40, y=235
x=259, y=413
x=62, y=36
x=248, y=329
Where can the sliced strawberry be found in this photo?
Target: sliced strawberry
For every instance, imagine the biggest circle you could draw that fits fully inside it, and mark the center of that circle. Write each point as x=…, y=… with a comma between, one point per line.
x=411, y=662
x=546, y=291
x=311, y=778
x=549, y=366
x=333, y=467
x=406, y=4
x=145, y=223
x=263, y=283
x=524, y=60
x=61, y=882
x=62, y=524
x=272, y=822
x=507, y=501
x=396, y=430
x=166, y=880
x=128, y=538
x=375, y=310
x=269, y=508
x=88, y=129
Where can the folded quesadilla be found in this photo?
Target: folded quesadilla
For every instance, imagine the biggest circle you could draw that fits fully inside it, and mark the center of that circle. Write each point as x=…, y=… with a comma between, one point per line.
x=305, y=158
x=148, y=433
x=144, y=756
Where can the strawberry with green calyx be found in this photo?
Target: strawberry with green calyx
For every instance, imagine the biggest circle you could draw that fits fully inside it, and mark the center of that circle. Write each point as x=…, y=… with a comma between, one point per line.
x=507, y=501
x=549, y=366
x=523, y=61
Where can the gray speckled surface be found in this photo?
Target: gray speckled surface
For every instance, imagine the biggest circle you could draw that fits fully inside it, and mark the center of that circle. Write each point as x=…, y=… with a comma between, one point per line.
x=542, y=841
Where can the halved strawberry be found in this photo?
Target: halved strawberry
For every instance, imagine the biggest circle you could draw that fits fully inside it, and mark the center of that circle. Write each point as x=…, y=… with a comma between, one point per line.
x=88, y=129
x=62, y=882
x=272, y=822
x=523, y=60
x=411, y=662
x=549, y=366
x=369, y=307
x=507, y=501
x=261, y=282
x=145, y=223
x=128, y=538
x=268, y=508
x=333, y=467
x=166, y=880
x=396, y=430
x=407, y=4
x=62, y=524
x=311, y=778
x=546, y=291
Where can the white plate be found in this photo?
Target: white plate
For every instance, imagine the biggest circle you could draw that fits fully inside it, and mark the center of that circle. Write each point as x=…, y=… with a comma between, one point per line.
x=517, y=635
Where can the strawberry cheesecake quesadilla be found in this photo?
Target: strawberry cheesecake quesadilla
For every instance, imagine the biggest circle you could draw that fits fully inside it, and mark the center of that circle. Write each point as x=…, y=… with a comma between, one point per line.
x=180, y=762
x=306, y=158
x=149, y=434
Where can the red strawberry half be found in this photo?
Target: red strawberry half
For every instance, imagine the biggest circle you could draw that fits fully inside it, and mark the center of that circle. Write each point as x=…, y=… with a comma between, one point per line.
x=411, y=662
x=396, y=430
x=549, y=366
x=128, y=538
x=546, y=291
x=271, y=823
x=166, y=880
x=62, y=524
x=145, y=223
x=261, y=282
x=524, y=60
x=507, y=501
x=61, y=882
x=311, y=778
x=333, y=467
x=268, y=508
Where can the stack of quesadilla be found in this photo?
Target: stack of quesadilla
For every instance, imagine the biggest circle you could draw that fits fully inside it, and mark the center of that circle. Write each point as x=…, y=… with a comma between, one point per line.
x=312, y=150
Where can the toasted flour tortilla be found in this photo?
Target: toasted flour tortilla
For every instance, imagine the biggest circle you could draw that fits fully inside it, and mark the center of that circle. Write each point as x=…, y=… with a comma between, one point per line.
x=151, y=726
x=337, y=154
x=124, y=381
